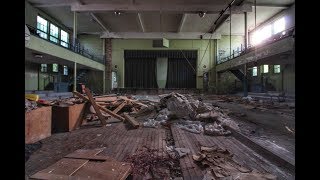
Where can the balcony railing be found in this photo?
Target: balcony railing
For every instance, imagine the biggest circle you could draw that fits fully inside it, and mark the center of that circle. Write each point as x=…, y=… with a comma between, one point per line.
x=76, y=48
x=243, y=50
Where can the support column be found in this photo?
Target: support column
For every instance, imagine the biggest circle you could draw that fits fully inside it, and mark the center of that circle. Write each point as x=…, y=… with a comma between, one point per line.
x=104, y=72
x=75, y=26
x=246, y=38
x=245, y=81
x=75, y=77
x=108, y=63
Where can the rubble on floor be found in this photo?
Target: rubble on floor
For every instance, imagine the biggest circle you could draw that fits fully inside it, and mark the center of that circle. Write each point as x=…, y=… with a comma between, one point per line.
x=219, y=164
x=150, y=164
x=215, y=129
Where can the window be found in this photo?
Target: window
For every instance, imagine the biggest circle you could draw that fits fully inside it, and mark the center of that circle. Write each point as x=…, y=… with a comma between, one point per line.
x=265, y=68
x=64, y=38
x=276, y=68
x=279, y=25
x=54, y=33
x=254, y=71
x=65, y=70
x=43, y=68
x=55, y=67
x=42, y=26
x=261, y=34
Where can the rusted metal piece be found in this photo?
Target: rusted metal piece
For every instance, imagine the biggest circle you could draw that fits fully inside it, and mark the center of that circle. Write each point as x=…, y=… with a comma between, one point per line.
x=38, y=124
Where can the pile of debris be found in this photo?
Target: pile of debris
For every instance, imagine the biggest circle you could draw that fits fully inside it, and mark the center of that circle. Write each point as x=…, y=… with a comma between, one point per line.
x=149, y=164
x=191, y=115
x=30, y=105
x=220, y=165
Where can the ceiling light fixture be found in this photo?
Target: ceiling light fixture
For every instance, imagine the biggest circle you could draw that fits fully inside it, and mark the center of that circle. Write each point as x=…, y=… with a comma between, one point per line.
x=202, y=14
x=118, y=13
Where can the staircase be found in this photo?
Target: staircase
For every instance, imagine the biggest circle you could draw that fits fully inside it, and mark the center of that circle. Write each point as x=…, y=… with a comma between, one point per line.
x=81, y=77
x=238, y=73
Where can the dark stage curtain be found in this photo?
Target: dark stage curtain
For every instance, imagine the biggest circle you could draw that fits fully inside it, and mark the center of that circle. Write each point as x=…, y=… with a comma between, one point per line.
x=140, y=73
x=180, y=73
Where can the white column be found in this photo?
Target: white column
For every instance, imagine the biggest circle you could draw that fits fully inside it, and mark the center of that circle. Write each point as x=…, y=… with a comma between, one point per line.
x=75, y=77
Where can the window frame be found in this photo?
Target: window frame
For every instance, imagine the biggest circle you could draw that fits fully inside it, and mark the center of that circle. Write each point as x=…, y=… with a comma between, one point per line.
x=40, y=31
x=57, y=68
x=255, y=68
x=274, y=69
x=55, y=37
x=48, y=32
x=62, y=41
x=65, y=67
x=46, y=68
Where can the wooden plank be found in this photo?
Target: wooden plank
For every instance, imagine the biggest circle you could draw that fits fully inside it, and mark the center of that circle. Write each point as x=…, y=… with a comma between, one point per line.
x=131, y=120
x=64, y=166
x=85, y=152
x=133, y=101
x=100, y=107
x=120, y=107
x=47, y=176
x=95, y=106
x=105, y=99
x=105, y=170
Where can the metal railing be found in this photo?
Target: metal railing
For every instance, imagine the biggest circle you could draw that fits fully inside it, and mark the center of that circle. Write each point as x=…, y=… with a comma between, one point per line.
x=76, y=47
x=243, y=50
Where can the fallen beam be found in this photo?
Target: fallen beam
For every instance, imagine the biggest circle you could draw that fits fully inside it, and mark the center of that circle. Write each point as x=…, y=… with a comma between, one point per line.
x=120, y=107
x=95, y=106
x=131, y=120
x=100, y=107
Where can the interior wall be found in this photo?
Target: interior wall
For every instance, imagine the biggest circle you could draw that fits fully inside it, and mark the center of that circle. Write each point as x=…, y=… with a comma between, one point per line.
x=31, y=76
x=95, y=81
x=283, y=81
x=31, y=14
x=206, y=58
x=93, y=43
x=224, y=45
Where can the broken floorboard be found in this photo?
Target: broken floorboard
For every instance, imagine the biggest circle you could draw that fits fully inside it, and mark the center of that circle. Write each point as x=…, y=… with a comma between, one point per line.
x=119, y=142
x=83, y=164
x=242, y=154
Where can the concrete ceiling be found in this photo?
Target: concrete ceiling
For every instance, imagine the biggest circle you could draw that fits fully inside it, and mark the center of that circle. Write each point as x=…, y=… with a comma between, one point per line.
x=156, y=16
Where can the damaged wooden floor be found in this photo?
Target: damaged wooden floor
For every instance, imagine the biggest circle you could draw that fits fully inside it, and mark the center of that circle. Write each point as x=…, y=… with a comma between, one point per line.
x=242, y=154
x=119, y=142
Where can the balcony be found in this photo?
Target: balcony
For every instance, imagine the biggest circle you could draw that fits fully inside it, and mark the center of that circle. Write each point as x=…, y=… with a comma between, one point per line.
x=64, y=51
x=281, y=43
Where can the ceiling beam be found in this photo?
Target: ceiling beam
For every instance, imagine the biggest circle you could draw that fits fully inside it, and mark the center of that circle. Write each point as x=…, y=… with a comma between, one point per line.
x=141, y=23
x=99, y=22
x=168, y=8
x=183, y=19
x=159, y=35
x=51, y=5
x=273, y=5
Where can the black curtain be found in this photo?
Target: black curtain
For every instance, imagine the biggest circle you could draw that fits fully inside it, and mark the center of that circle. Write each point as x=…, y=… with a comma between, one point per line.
x=140, y=73
x=181, y=74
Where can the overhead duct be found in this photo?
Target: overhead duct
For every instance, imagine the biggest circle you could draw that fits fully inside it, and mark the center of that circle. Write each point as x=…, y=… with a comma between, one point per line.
x=160, y=43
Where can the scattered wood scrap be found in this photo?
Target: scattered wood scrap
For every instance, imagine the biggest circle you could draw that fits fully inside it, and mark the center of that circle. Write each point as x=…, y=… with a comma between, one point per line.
x=131, y=120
